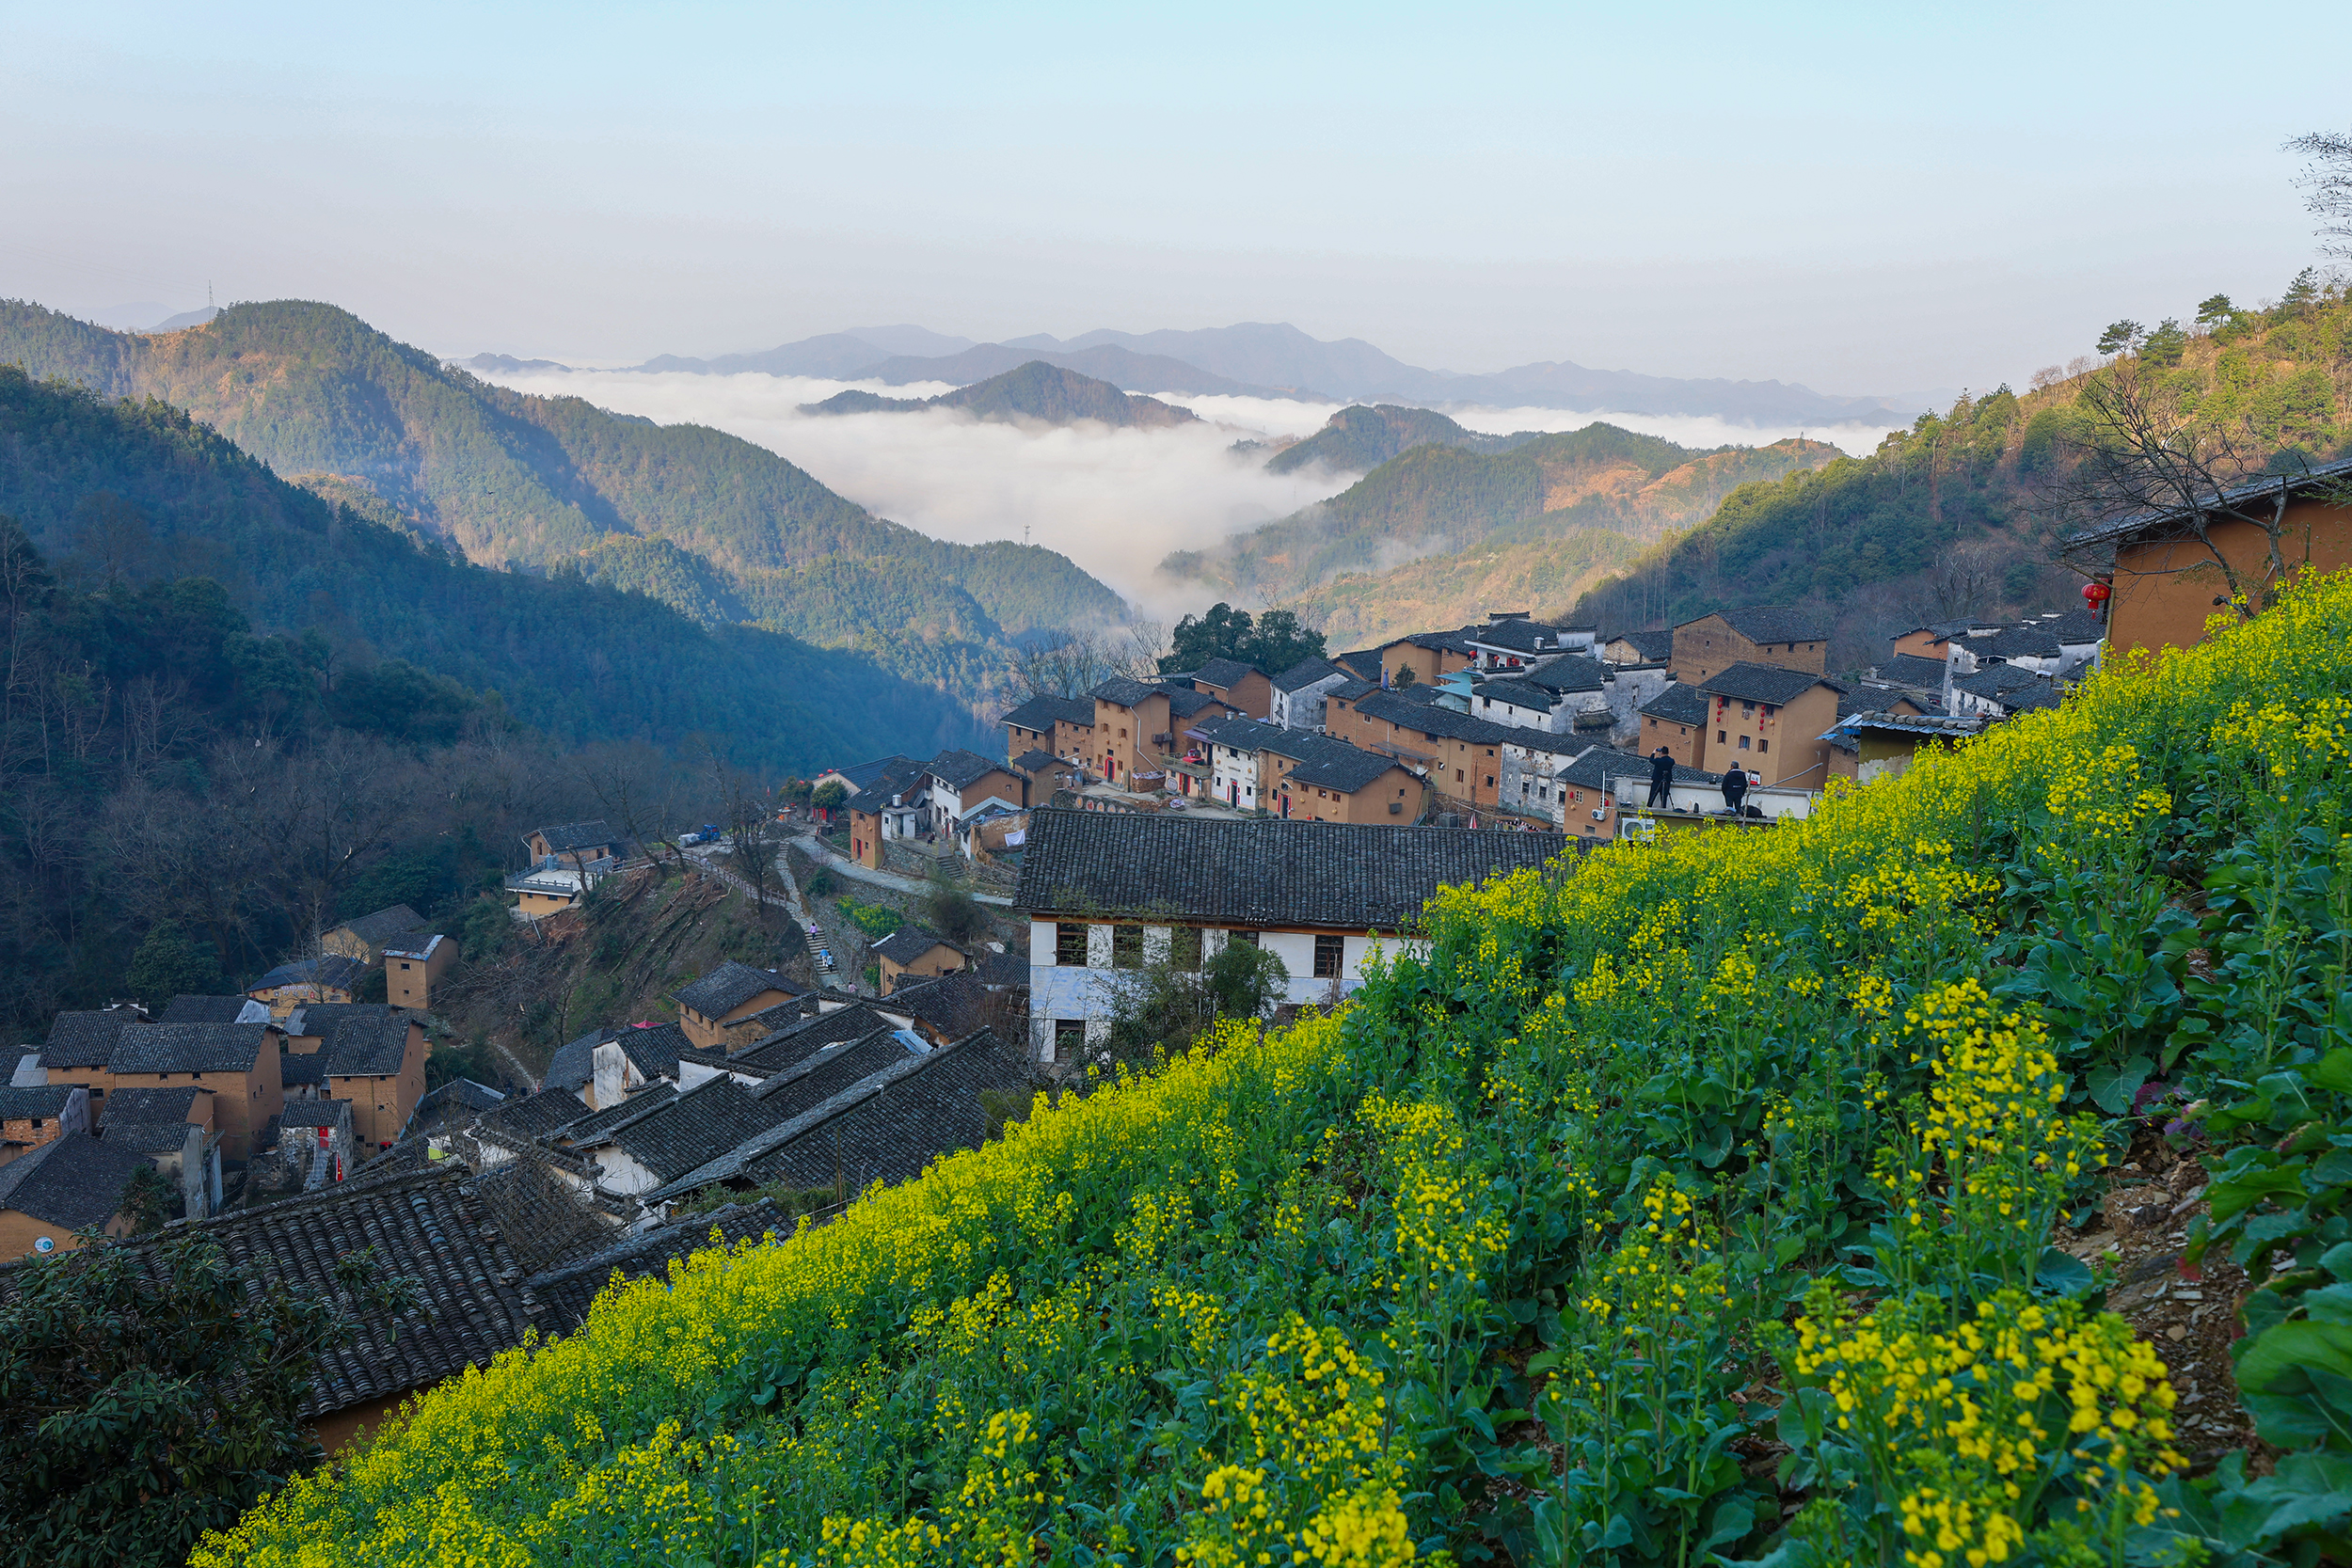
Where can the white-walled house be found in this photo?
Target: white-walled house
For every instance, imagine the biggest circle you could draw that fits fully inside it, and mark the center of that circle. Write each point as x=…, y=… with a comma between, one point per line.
x=1109, y=892
x=1299, y=693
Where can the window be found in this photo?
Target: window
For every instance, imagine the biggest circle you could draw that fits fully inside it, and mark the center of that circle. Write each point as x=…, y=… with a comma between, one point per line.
x=1126, y=947
x=1070, y=944
x=1330, y=952
x=1070, y=1034
x=1743, y=743
x=1249, y=937
x=1763, y=745
x=1184, y=948
x=1490, y=781
x=1457, y=775
x=1747, y=710
x=1719, y=737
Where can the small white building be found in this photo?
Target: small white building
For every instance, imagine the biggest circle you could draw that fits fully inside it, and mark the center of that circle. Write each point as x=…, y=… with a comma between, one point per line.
x=1299, y=693
x=1111, y=892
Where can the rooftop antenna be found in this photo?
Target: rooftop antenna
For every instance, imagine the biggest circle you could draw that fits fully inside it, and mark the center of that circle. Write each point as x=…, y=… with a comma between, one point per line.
x=208, y=296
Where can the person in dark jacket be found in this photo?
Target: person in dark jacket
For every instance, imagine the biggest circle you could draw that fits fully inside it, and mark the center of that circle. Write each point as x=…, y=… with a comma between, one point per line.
x=1661, y=778
x=1734, y=788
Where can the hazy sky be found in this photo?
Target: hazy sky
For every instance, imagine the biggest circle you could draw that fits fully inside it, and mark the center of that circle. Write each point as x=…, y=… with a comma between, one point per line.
x=1866, y=198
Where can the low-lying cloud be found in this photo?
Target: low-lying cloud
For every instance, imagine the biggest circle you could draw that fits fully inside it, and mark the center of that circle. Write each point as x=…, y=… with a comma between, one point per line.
x=1116, y=502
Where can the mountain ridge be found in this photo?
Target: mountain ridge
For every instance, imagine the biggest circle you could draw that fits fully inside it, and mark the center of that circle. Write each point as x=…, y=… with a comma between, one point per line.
x=1034, y=391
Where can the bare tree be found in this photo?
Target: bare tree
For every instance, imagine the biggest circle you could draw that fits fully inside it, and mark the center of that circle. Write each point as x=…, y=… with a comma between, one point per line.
x=2143, y=449
x=2327, y=176
x=1965, y=580
x=640, y=791
x=1069, y=664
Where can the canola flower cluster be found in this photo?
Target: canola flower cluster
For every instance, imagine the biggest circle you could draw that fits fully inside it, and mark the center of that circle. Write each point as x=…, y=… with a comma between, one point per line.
x=992, y=1362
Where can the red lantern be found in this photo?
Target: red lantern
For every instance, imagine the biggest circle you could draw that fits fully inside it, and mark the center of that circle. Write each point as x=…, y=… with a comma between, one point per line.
x=2096, y=593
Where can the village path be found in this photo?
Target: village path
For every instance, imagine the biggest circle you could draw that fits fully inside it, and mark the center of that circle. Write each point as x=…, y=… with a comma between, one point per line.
x=821, y=852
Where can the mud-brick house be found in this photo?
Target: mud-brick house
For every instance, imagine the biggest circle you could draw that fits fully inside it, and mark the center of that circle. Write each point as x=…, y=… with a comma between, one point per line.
x=363, y=939
x=1777, y=635
x=60, y=1188
x=237, y=1062
x=728, y=994
x=911, y=950
x=40, y=1114
x=412, y=962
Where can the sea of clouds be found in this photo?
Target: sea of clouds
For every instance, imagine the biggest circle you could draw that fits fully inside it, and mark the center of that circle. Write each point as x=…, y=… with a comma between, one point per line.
x=1116, y=502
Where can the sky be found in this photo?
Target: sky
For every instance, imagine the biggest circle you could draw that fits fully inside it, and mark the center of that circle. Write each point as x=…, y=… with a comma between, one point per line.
x=1862, y=198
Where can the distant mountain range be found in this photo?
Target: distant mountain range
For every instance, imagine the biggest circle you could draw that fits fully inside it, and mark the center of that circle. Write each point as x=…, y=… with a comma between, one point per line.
x=1276, y=360
x=724, y=529
x=1036, y=392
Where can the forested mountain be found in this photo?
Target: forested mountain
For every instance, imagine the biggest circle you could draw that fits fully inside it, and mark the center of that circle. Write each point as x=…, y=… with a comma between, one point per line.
x=1357, y=439
x=1960, y=503
x=1036, y=392
x=1439, y=501
x=543, y=483
x=133, y=492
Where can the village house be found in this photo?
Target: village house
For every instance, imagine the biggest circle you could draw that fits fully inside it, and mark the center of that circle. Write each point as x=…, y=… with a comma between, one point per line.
x=1062, y=727
x=1933, y=640
x=237, y=1062
x=80, y=1045
x=1431, y=656
x=329, y=977
x=173, y=1128
x=1999, y=692
x=60, y=1188
x=412, y=963
x=1777, y=635
x=186, y=1008
x=1131, y=729
x=912, y=950
x=1244, y=688
x=363, y=939
x=1512, y=639
x=2167, y=581
x=575, y=843
x=1298, y=692
x=1768, y=721
x=959, y=780
x=1109, y=893
x=316, y=1143
x=731, y=991
x=890, y=806
x=1883, y=741
x=39, y=1114
x=1676, y=719
x=1464, y=758
x=1640, y=647
x=377, y=1064
x=556, y=885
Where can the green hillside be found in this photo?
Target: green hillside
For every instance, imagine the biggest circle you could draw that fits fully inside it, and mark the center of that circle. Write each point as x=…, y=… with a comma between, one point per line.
x=1357, y=438
x=139, y=488
x=518, y=480
x=1035, y=392
x=1750, y=1196
x=1444, y=501
x=1858, y=534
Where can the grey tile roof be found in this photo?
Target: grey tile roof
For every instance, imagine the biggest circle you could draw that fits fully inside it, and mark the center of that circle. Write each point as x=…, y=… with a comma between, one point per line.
x=377, y=928
x=69, y=1181
x=1760, y=683
x=1679, y=703
x=1602, y=768
x=1303, y=675
x=330, y=968
x=1773, y=623
x=1041, y=713
x=432, y=1227
x=1364, y=662
x=152, y=1137
x=1184, y=701
x=890, y=789
x=173, y=1104
x=574, y=1064
x=811, y=1082
x=191, y=1048
x=1419, y=713
x=544, y=1219
x=318, y=1019
x=1224, y=673
x=1341, y=767
x=314, y=1113
x=2323, y=478
x=2024, y=700
x=1910, y=670
x=413, y=945
x=1125, y=693
x=1995, y=680
x=207, y=1009
x=908, y=943
x=592, y=1125
x=366, y=1048
x=1035, y=759
x=864, y=773
x=1518, y=693
x=459, y=1099
x=2075, y=627
x=1454, y=641
x=46, y=1101
x=653, y=1050
x=956, y=769
x=2018, y=641
x=885, y=1128
x=566, y=836
x=85, y=1038
x=1519, y=636
x=1338, y=876
x=952, y=1005
x=698, y=1126
x=538, y=1112
x=1348, y=692
x=728, y=986
x=569, y=1290
x=803, y=1039
x=300, y=1069
x=1569, y=673
x=1654, y=645
x=997, y=970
